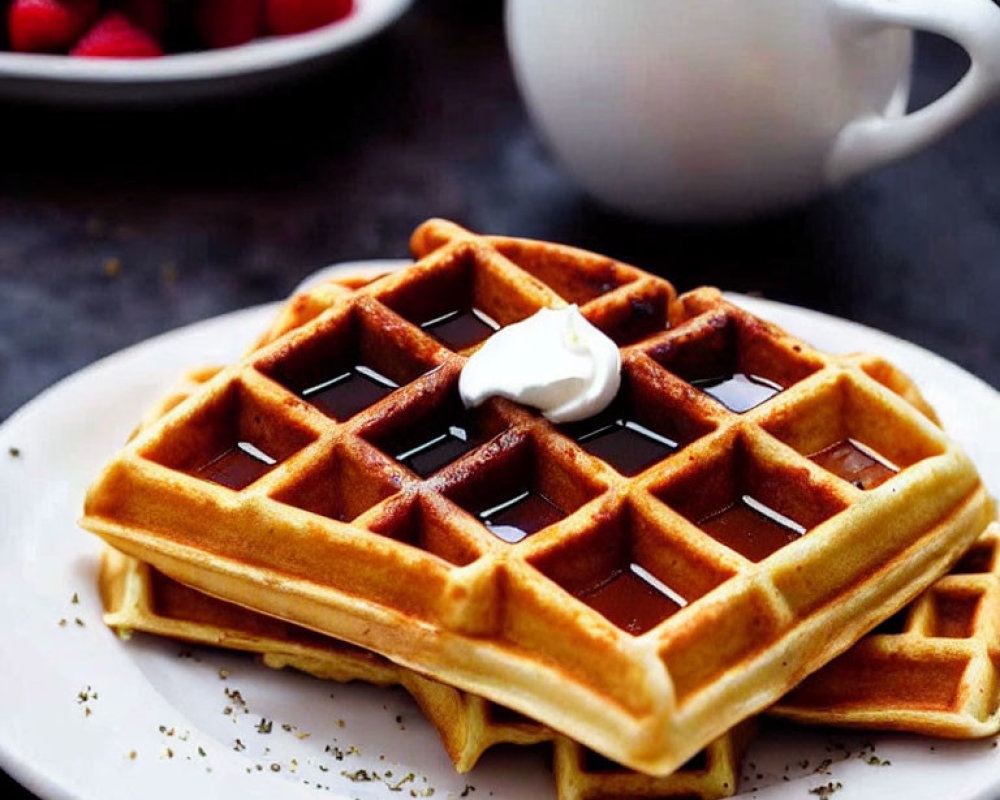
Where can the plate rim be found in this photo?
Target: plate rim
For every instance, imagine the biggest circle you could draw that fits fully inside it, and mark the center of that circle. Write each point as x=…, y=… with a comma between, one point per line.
x=258, y=56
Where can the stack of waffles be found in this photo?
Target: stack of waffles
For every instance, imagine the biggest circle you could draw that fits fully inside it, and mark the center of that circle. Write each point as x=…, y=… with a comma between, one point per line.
x=637, y=584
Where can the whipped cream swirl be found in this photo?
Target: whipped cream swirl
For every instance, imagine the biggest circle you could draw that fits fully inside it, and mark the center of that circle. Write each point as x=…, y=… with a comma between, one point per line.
x=555, y=361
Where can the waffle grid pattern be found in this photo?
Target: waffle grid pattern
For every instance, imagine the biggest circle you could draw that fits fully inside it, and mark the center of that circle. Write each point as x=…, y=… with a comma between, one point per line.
x=931, y=669
x=934, y=668
x=139, y=599
x=338, y=535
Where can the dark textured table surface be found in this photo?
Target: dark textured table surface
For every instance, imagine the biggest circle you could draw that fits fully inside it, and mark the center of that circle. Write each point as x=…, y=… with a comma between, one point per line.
x=118, y=225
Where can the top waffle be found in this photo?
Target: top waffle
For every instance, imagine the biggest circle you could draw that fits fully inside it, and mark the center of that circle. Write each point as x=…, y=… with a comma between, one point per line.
x=640, y=581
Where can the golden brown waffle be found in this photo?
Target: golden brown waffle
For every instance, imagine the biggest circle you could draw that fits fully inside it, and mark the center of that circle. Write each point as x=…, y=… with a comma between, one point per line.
x=932, y=668
x=307, y=305
x=137, y=598
x=321, y=525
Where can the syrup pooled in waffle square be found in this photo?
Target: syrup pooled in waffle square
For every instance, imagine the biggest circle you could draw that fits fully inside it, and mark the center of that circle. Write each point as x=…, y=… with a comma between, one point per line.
x=641, y=614
x=138, y=598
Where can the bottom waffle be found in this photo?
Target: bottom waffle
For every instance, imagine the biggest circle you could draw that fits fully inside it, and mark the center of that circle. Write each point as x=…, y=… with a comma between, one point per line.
x=933, y=668
x=137, y=598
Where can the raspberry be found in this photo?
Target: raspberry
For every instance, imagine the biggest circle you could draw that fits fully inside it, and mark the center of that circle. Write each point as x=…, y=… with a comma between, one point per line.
x=48, y=26
x=115, y=36
x=295, y=16
x=226, y=23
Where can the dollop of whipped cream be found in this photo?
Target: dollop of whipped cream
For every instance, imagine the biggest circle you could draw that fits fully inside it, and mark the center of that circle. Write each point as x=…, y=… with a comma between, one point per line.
x=555, y=361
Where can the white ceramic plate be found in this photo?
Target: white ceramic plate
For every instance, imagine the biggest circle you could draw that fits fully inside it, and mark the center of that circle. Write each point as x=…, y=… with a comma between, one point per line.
x=84, y=716
x=208, y=73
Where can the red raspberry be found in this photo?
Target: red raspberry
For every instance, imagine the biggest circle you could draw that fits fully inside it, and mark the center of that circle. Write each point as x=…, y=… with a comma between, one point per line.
x=295, y=16
x=48, y=26
x=226, y=23
x=115, y=36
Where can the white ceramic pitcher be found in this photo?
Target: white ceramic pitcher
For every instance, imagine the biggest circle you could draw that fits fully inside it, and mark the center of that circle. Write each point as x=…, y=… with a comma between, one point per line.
x=700, y=109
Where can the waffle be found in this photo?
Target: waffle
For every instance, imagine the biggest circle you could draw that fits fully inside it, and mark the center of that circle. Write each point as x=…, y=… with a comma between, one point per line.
x=137, y=598
x=931, y=669
x=318, y=522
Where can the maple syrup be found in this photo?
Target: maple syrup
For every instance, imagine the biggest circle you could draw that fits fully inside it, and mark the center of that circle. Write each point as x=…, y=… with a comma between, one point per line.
x=738, y=391
x=626, y=445
x=433, y=451
x=633, y=600
x=461, y=328
x=521, y=515
x=751, y=528
x=855, y=463
x=237, y=467
x=347, y=393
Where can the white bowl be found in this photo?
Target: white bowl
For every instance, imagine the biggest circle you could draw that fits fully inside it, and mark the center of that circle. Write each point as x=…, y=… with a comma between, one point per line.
x=206, y=73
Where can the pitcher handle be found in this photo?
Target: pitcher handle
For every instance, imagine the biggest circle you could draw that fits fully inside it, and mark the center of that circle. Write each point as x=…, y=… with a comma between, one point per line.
x=874, y=140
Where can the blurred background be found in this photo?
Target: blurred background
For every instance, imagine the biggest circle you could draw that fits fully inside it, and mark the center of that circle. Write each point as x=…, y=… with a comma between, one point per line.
x=118, y=224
